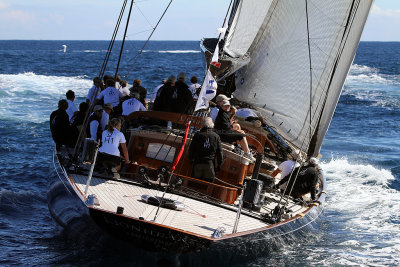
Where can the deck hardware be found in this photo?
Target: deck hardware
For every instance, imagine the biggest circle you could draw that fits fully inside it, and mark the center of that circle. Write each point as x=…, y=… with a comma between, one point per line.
x=92, y=200
x=120, y=210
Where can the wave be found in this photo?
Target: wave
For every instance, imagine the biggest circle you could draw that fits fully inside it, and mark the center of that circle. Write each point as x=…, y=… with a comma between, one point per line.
x=11, y=200
x=361, y=211
x=365, y=74
x=32, y=97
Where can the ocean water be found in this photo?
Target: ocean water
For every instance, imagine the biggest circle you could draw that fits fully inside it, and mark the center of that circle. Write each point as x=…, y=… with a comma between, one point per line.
x=361, y=153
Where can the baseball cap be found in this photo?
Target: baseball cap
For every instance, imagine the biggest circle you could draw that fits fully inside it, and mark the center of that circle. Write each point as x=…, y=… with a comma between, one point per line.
x=221, y=98
x=226, y=103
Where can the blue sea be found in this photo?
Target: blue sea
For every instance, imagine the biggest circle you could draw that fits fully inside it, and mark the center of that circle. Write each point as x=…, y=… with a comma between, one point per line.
x=361, y=158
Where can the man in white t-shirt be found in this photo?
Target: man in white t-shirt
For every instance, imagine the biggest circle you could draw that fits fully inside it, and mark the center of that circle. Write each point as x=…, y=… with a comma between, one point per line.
x=132, y=105
x=110, y=94
x=94, y=91
x=123, y=88
x=219, y=99
x=94, y=128
x=194, y=86
x=155, y=91
x=71, y=105
x=107, y=109
x=286, y=167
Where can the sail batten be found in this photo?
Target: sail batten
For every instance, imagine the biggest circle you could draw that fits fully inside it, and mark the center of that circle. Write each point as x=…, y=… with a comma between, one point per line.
x=279, y=74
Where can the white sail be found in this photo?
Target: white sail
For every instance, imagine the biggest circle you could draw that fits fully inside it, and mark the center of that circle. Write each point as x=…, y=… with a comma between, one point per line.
x=248, y=19
x=277, y=80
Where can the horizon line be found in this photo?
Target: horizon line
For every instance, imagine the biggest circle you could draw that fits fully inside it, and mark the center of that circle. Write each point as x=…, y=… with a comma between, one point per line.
x=387, y=41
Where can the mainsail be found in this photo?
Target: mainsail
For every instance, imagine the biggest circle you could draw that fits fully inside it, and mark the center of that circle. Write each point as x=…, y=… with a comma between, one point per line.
x=299, y=60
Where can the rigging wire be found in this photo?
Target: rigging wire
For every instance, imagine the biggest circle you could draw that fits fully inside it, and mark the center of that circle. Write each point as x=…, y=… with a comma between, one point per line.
x=102, y=70
x=123, y=40
x=350, y=20
x=148, y=39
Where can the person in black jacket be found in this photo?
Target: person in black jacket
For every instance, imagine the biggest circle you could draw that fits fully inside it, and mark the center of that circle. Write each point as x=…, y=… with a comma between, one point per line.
x=161, y=102
x=138, y=88
x=306, y=181
x=223, y=125
x=205, y=152
x=181, y=99
x=60, y=128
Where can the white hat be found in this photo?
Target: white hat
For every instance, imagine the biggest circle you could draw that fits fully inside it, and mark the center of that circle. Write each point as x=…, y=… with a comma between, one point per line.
x=221, y=98
x=313, y=161
x=225, y=102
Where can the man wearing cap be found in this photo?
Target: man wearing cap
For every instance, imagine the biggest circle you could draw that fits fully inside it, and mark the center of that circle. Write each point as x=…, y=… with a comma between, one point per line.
x=223, y=125
x=105, y=117
x=132, y=105
x=180, y=98
x=93, y=130
x=214, y=111
x=305, y=182
x=110, y=94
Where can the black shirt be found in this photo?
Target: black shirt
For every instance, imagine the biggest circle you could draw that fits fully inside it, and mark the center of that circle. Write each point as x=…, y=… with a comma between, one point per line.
x=206, y=146
x=306, y=181
x=60, y=128
x=223, y=120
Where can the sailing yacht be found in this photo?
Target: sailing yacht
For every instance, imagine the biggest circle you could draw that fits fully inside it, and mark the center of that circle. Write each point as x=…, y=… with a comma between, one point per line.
x=288, y=60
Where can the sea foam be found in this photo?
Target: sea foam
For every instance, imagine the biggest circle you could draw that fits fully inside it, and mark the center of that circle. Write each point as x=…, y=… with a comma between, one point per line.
x=32, y=97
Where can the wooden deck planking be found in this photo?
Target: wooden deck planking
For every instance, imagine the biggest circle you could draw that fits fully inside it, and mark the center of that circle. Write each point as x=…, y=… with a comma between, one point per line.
x=112, y=194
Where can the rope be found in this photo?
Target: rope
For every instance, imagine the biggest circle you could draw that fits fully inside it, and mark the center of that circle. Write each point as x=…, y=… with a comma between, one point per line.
x=123, y=40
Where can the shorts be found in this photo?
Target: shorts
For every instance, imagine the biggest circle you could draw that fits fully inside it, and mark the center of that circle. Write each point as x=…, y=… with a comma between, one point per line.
x=108, y=159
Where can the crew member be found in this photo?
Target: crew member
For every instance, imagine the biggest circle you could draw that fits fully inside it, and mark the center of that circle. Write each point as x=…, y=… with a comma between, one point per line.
x=109, y=155
x=223, y=125
x=71, y=110
x=60, y=128
x=305, y=182
x=205, y=152
x=94, y=127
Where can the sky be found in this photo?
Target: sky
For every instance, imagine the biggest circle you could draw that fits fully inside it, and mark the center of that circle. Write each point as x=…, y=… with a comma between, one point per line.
x=185, y=19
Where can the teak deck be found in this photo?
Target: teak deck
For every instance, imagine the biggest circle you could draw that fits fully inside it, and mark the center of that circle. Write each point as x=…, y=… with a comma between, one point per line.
x=198, y=217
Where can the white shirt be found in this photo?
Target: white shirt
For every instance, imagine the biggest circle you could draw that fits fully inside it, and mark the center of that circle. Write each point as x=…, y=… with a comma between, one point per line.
x=93, y=93
x=110, y=95
x=111, y=141
x=132, y=105
x=193, y=88
x=71, y=109
x=287, y=166
x=154, y=93
x=214, y=113
x=104, y=120
x=123, y=90
x=247, y=112
x=93, y=129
